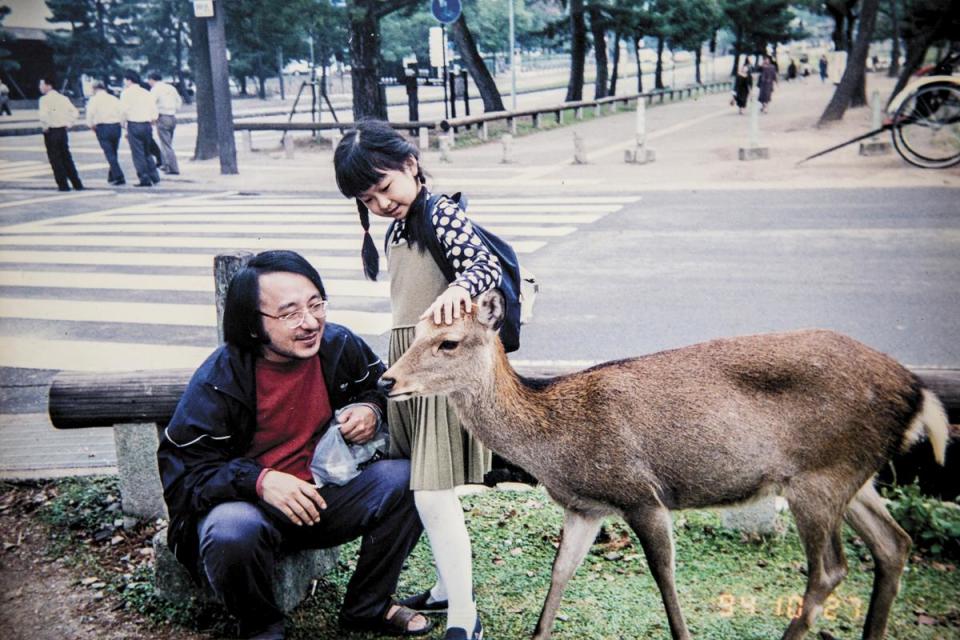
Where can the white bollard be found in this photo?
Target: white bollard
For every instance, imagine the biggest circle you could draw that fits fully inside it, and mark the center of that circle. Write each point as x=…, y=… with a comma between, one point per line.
x=424, y=139
x=248, y=140
x=288, y=146
x=579, y=149
x=874, y=146
x=754, y=151
x=640, y=154
x=445, y=144
x=507, y=141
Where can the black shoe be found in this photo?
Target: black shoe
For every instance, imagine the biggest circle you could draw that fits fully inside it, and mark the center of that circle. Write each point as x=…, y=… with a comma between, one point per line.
x=79, y=188
x=63, y=188
x=420, y=602
x=459, y=633
x=144, y=184
x=119, y=182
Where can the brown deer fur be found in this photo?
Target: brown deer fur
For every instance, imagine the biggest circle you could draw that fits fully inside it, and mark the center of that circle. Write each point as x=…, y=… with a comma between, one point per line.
x=811, y=415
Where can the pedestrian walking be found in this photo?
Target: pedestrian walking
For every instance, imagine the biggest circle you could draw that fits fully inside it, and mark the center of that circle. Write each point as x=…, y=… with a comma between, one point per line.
x=741, y=87
x=104, y=116
x=823, y=67
x=5, y=99
x=768, y=78
x=139, y=113
x=56, y=115
x=168, y=102
x=380, y=169
x=792, y=70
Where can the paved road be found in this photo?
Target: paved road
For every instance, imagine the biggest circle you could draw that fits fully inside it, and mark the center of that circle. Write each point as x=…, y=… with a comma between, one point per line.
x=100, y=285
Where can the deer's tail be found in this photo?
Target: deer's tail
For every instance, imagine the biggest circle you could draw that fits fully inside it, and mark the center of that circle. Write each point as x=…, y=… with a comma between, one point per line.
x=931, y=420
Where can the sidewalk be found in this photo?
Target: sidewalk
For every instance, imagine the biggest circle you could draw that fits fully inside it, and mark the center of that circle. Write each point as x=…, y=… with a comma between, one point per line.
x=696, y=144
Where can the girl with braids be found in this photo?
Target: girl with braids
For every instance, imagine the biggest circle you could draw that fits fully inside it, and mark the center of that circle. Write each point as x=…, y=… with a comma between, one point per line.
x=381, y=170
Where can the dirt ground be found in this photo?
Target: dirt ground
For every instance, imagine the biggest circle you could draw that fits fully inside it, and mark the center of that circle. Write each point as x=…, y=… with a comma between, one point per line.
x=44, y=598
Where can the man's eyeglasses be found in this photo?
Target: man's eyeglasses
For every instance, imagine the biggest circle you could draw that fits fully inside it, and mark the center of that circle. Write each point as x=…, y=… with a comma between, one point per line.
x=294, y=319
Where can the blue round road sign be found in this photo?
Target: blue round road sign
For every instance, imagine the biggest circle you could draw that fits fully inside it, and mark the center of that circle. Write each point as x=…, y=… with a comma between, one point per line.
x=446, y=11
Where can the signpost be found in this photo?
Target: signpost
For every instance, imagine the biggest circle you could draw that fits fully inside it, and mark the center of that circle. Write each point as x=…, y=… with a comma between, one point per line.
x=446, y=11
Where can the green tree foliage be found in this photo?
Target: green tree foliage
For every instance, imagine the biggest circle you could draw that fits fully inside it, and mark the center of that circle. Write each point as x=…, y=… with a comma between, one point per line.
x=852, y=88
x=256, y=29
x=7, y=63
x=925, y=23
x=163, y=29
x=757, y=24
x=99, y=33
x=694, y=23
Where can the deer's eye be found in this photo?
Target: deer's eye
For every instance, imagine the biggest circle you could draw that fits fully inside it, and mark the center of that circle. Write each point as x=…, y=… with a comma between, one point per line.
x=449, y=345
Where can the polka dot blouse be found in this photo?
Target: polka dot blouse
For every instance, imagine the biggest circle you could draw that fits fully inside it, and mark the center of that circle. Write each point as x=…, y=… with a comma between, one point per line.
x=477, y=269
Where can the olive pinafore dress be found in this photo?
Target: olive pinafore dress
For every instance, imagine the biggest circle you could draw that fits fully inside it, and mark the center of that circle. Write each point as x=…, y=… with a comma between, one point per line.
x=426, y=430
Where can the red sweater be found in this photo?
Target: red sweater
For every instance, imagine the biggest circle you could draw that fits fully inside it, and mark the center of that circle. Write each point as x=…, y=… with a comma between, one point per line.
x=292, y=410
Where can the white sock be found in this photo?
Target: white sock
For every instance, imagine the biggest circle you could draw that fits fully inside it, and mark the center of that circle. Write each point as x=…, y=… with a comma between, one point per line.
x=438, y=592
x=442, y=517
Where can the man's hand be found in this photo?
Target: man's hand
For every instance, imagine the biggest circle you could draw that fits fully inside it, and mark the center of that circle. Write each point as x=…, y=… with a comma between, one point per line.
x=298, y=500
x=358, y=423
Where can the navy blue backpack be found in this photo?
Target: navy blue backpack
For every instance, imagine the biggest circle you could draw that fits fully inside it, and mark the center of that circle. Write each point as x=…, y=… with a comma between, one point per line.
x=510, y=283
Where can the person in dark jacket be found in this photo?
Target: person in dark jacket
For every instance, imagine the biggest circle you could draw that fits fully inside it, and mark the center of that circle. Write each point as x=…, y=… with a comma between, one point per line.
x=235, y=457
x=742, y=86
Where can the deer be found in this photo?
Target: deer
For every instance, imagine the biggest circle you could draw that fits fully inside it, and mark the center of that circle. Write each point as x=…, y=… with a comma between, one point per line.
x=810, y=415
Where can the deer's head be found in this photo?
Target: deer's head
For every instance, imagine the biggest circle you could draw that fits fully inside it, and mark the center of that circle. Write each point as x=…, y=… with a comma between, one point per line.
x=446, y=358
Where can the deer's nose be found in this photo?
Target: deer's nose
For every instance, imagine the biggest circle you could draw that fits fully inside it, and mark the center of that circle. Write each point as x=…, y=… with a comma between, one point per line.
x=386, y=384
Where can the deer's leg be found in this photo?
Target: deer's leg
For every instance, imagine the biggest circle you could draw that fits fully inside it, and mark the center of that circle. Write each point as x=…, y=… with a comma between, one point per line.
x=818, y=522
x=579, y=532
x=890, y=546
x=653, y=526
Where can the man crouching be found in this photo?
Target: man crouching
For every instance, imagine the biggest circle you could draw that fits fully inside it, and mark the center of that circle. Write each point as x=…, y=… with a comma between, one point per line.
x=235, y=458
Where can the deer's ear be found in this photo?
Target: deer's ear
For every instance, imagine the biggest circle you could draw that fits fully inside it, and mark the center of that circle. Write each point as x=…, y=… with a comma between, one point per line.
x=490, y=309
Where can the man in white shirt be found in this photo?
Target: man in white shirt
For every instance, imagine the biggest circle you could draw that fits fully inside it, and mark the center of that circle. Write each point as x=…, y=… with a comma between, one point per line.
x=104, y=116
x=139, y=113
x=56, y=115
x=168, y=101
x=5, y=99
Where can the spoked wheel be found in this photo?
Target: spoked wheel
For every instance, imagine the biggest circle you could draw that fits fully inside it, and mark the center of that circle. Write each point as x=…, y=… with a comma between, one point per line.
x=926, y=128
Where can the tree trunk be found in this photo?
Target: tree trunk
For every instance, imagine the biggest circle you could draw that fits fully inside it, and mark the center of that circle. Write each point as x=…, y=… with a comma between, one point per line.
x=837, y=34
x=460, y=33
x=578, y=51
x=206, y=146
x=599, y=53
x=658, y=74
x=894, y=69
x=916, y=51
x=616, y=64
x=636, y=52
x=852, y=81
x=365, y=67
x=697, y=55
x=737, y=46
x=261, y=85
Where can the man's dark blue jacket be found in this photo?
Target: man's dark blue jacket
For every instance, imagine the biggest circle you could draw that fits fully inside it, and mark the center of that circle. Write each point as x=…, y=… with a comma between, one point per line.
x=202, y=453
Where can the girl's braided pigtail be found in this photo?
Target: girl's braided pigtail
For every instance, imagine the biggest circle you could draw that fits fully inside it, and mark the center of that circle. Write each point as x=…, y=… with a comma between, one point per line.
x=369, y=254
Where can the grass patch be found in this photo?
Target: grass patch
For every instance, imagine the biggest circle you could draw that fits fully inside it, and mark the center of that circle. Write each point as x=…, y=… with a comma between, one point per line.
x=731, y=586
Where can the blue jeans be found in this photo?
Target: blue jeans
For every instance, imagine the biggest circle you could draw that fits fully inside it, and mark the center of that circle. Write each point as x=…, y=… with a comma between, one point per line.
x=239, y=541
x=108, y=135
x=139, y=135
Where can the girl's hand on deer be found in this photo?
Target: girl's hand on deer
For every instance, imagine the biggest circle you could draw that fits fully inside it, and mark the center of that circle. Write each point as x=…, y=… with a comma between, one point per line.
x=298, y=500
x=449, y=305
x=358, y=423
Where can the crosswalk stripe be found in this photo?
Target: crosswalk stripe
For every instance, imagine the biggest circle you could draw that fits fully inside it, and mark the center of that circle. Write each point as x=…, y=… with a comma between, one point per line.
x=317, y=229
x=256, y=201
x=150, y=282
x=7, y=256
x=32, y=353
x=159, y=313
x=221, y=243
x=271, y=217
x=519, y=209
x=27, y=172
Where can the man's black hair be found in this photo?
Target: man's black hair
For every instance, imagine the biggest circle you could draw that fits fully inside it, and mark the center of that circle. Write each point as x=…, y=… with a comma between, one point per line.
x=48, y=80
x=132, y=76
x=359, y=161
x=155, y=75
x=242, y=322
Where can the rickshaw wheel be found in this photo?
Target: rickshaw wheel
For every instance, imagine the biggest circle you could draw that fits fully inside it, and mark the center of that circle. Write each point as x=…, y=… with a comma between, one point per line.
x=926, y=130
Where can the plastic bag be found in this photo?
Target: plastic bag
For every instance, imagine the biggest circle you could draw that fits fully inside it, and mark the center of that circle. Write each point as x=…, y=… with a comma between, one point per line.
x=336, y=461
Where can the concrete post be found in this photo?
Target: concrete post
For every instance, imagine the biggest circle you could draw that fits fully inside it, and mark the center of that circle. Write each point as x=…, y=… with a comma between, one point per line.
x=225, y=265
x=536, y=121
x=424, y=141
x=753, y=150
x=513, y=126
x=248, y=140
x=141, y=491
x=446, y=142
x=598, y=110
x=874, y=146
x=288, y=148
x=578, y=112
x=484, y=131
x=507, y=141
x=640, y=154
x=579, y=149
